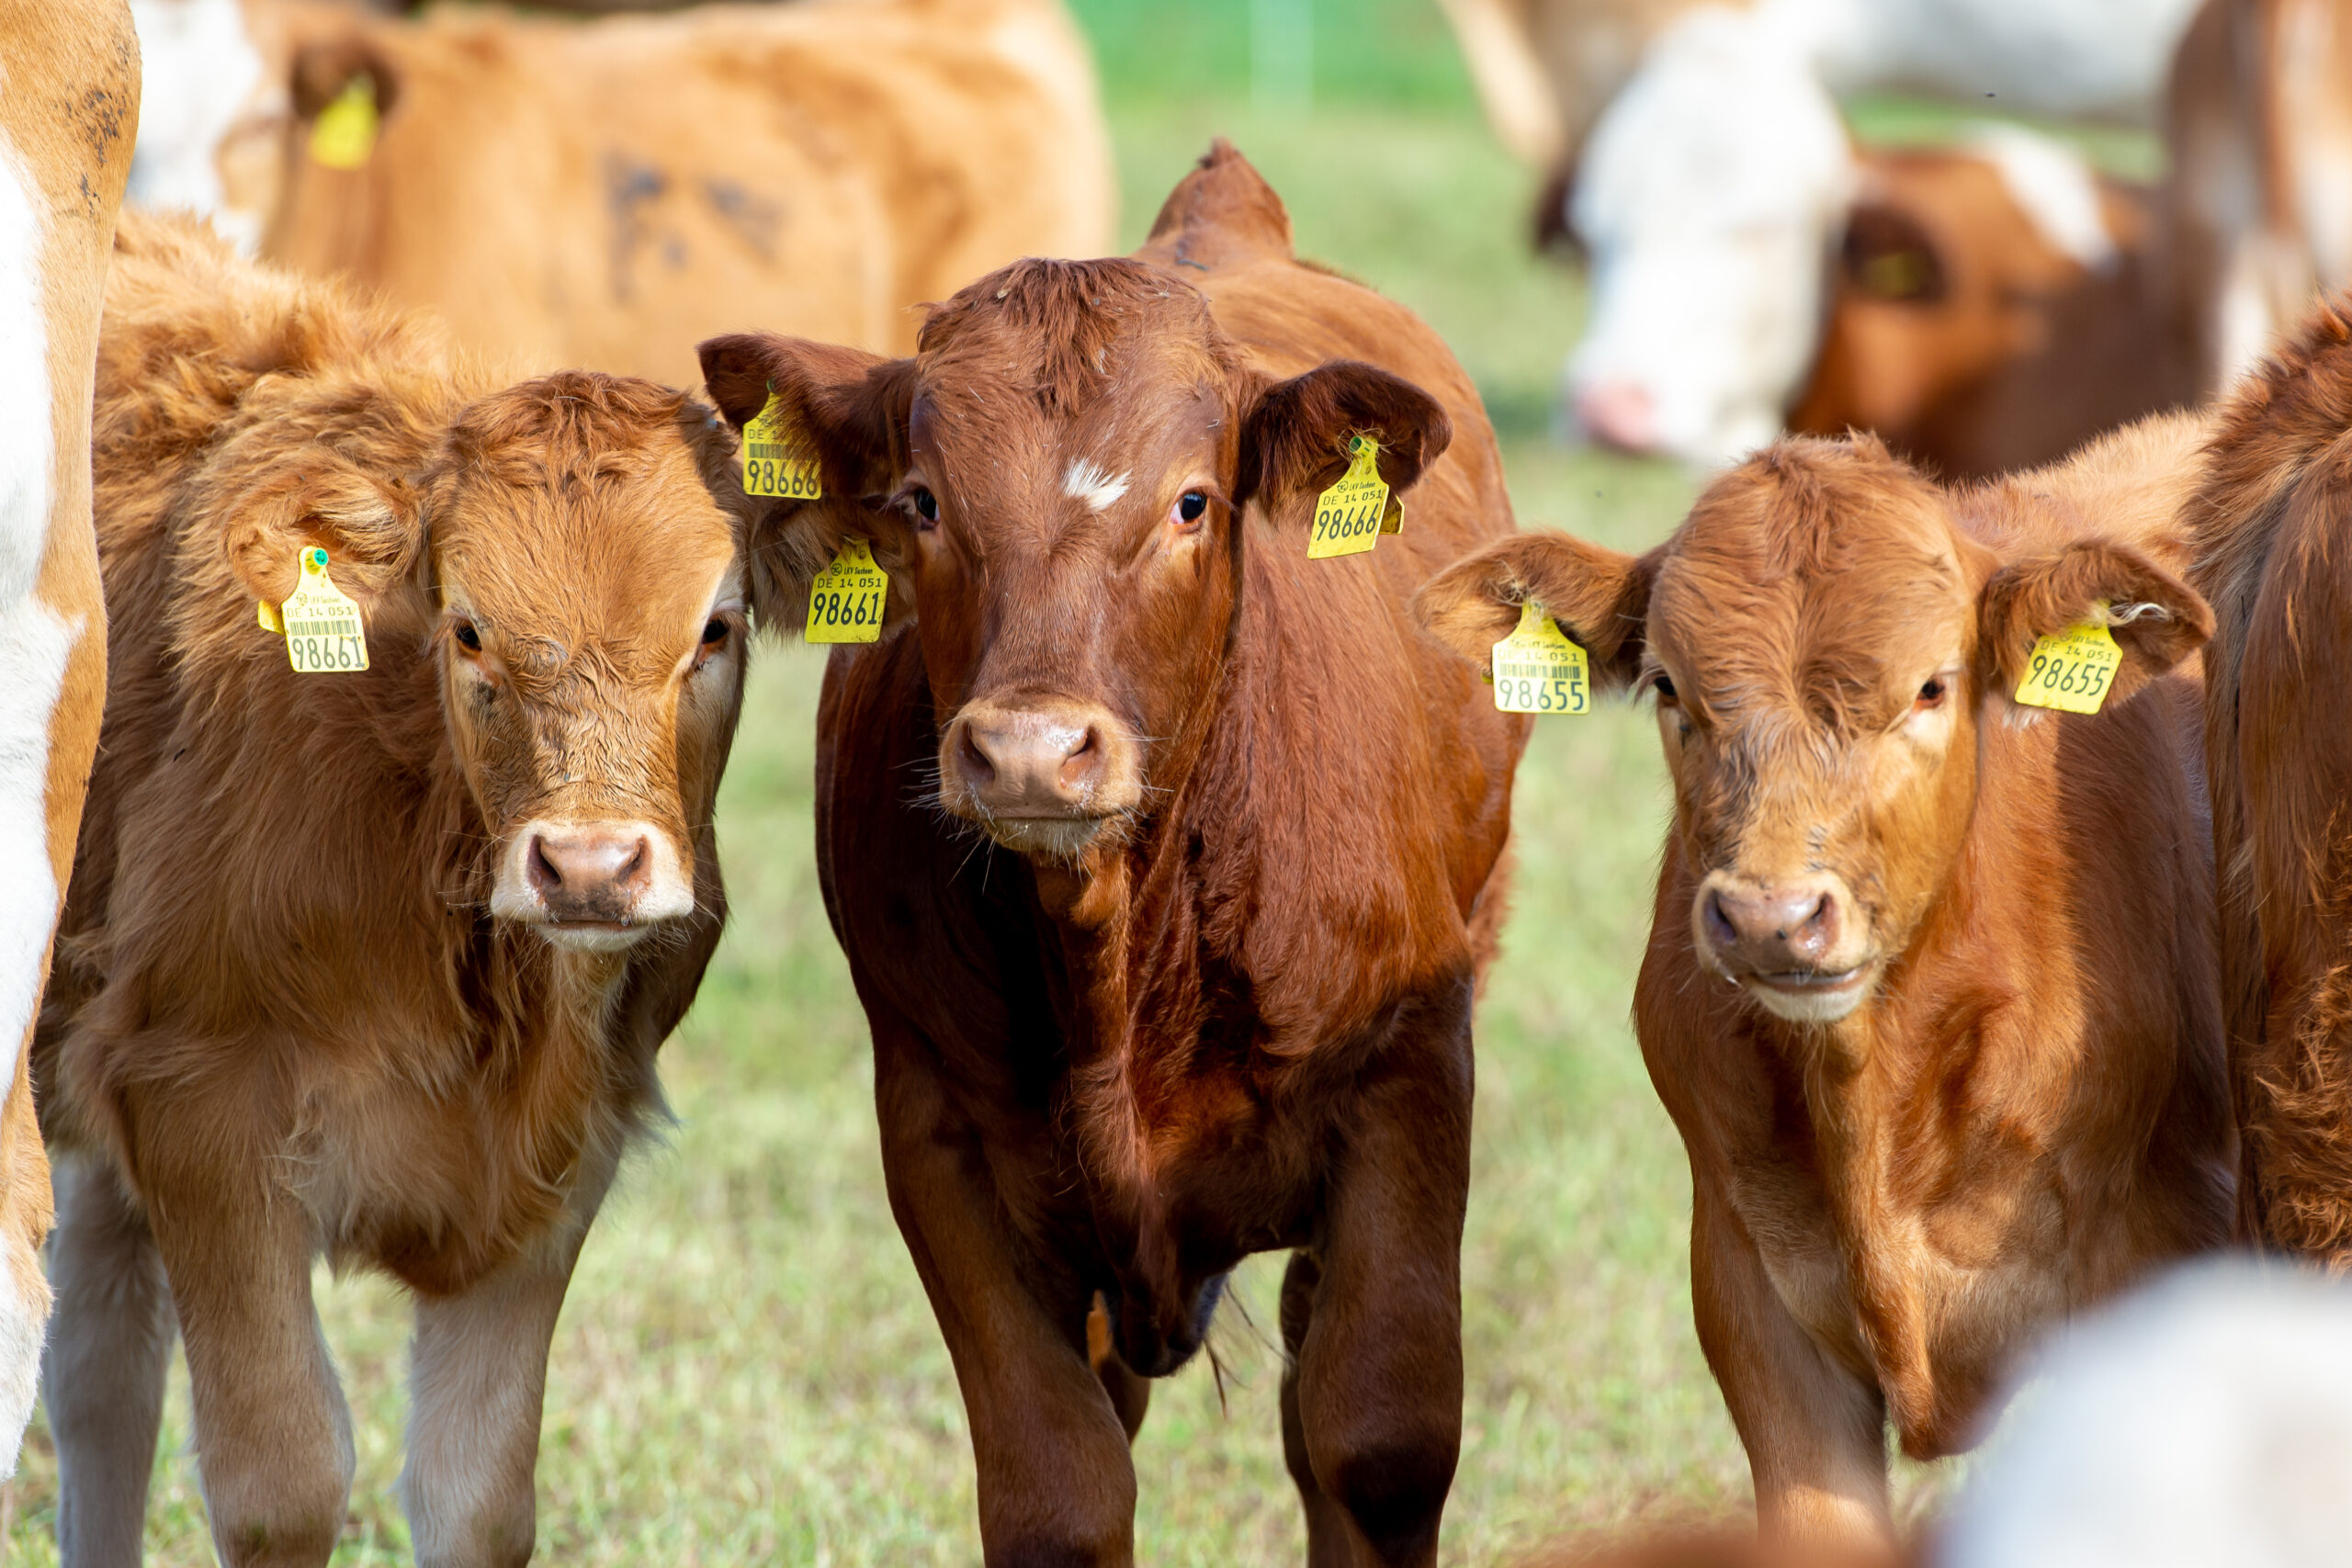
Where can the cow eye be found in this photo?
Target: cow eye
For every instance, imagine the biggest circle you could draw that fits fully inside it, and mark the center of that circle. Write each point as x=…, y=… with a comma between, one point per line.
x=714, y=631
x=1663, y=687
x=467, y=638
x=1932, y=694
x=1191, y=506
x=926, y=504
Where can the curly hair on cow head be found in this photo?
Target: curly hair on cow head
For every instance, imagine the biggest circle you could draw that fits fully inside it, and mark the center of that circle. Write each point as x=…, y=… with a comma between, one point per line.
x=571, y=428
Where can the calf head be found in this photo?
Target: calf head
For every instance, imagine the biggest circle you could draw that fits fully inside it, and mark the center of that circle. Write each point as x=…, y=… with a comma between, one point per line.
x=556, y=552
x=1059, y=482
x=1824, y=646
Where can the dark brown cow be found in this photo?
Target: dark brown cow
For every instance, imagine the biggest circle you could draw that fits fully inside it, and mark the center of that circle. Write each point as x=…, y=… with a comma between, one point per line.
x=2269, y=526
x=1931, y=990
x=1165, y=858
x=372, y=964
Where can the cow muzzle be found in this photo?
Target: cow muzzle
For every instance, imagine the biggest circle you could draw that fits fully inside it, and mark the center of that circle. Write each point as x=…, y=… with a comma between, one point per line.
x=1795, y=946
x=1041, y=778
x=591, y=886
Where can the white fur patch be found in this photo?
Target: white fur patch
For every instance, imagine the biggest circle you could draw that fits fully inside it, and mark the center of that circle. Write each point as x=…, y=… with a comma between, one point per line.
x=2055, y=187
x=34, y=640
x=1084, y=481
x=198, y=70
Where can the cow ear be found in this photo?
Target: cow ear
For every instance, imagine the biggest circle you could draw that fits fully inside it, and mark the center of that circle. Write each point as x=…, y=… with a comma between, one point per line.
x=2156, y=618
x=1295, y=435
x=852, y=407
x=323, y=67
x=370, y=524
x=1599, y=597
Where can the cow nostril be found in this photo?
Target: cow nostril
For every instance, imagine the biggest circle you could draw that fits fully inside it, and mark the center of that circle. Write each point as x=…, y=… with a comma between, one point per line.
x=545, y=877
x=634, y=869
x=1720, y=930
x=973, y=759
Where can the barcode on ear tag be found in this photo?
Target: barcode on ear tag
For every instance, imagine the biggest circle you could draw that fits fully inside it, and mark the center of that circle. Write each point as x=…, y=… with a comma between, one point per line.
x=777, y=457
x=1538, y=670
x=323, y=635
x=1346, y=515
x=846, y=600
x=344, y=136
x=2071, y=670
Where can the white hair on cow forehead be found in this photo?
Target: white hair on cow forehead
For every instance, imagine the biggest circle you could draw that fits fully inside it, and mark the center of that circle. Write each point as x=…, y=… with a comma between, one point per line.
x=2053, y=185
x=1087, y=481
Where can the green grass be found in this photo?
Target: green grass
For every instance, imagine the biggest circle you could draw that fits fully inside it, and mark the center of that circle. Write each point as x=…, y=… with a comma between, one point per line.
x=747, y=1371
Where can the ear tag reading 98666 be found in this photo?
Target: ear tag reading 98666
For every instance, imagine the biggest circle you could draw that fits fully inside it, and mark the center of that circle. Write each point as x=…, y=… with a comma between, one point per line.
x=1538, y=670
x=1348, y=515
x=344, y=136
x=777, y=459
x=320, y=623
x=2071, y=670
x=846, y=600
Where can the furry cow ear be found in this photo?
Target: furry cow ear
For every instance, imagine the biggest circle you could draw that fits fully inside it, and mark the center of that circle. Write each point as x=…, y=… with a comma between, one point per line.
x=371, y=527
x=2156, y=619
x=852, y=407
x=1295, y=435
x=1599, y=597
x=322, y=68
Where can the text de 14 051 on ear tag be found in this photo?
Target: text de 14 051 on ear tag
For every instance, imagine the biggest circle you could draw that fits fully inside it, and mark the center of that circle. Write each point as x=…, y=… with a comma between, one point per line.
x=1348, y=515
x=778, y=459
x=323, y=635
x=846, y=600
x=1538, y=670
x=344, y=136
x=2072, y=671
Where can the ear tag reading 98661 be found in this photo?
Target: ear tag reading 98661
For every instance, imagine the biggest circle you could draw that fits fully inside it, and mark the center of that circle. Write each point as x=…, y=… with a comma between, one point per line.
x=846, y=600
x=2071, y=670
x=344, y=136
x=777, y=459
x=1538, y=670
x=320, y=623
x=1348, y=515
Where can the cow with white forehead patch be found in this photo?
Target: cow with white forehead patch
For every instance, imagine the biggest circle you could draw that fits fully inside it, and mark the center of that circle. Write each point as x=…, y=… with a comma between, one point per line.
x=1932, y=988
x=370, y=954
x=1166, y=858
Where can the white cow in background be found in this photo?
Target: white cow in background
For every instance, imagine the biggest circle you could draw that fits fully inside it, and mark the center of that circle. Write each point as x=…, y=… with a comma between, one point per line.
x=1712, y=189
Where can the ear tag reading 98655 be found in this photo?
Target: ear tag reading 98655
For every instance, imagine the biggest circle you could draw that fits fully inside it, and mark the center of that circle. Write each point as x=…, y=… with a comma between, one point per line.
x=2071, y=670
x=846, y=600
x=320, y=623
x=1538, y=670
x=777, y=459
x=344, y=136
x=1348, y=515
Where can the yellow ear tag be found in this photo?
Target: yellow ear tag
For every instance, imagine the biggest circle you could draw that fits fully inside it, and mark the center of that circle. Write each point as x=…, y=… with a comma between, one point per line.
x=777, y=459
x=2071, y=670
x=1392, y=516
x=345, y=134
x=1348, y=515
x=1538, y=670
x=846, y=598
x=321, y=622
x=266, y=613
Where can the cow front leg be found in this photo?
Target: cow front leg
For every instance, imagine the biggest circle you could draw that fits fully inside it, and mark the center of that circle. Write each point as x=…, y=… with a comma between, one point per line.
x=1814, y=1432
x=109, y=1348
x=1375, y=1380
x=273, y=1438
x=1056, y=1485
x=1329, y=1540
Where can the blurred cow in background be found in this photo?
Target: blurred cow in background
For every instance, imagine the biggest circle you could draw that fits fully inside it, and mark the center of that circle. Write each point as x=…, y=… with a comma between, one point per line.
x=1993, y=307
x=610, y=192
x=1710, y=192
x=1544, y=69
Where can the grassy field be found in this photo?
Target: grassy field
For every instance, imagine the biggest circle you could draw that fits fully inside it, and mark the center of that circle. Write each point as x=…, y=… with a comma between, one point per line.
x=747, y=1371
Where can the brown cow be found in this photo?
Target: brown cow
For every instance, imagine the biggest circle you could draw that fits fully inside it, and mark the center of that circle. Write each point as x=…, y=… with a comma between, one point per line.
x=608, y=192
x=369, y=964
x=1931, y=989
x=1993, y=308
x=2269, y=524
x=1171, y=962
x=66, y=129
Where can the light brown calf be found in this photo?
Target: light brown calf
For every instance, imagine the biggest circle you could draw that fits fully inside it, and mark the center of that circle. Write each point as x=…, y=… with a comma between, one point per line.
x=1931, y=987
x=372, y=964
x=66, y=117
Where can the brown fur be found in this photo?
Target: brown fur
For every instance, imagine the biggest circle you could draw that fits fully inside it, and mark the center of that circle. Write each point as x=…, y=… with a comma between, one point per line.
x=290, y=1020
x=2266, y=524
x=1959, y=335
x=2023, y=1106
x=608, y=192
x=1226, y=1007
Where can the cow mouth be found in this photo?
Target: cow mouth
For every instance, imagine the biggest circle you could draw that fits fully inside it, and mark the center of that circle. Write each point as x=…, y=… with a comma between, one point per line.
x=1810, y=996
x=593, y=936
x=1061, y=837
x=1812, y=982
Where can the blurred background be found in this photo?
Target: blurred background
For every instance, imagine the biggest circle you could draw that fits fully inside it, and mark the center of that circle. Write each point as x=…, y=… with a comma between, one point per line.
x=747, y=1371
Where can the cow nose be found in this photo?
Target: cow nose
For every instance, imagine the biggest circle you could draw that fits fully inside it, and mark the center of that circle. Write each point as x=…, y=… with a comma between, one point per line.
x=1619, y=413
x=1033, y=762
x=1771, y=930
x=589, y=873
